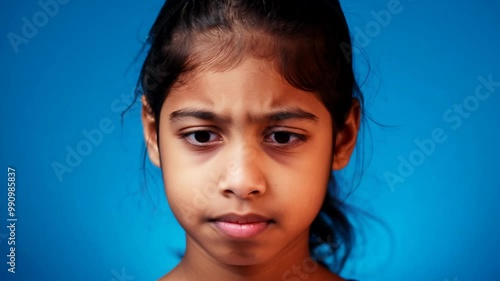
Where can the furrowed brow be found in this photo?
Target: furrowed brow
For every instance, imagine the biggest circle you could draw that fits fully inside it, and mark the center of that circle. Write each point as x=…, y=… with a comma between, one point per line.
x=280, y=115
x=292, y=113
x=184, y=113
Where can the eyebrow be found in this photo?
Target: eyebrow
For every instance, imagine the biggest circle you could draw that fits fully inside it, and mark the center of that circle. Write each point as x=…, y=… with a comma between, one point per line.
x=280, y=115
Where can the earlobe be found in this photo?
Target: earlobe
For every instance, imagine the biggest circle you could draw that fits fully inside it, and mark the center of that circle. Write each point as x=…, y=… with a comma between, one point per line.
x=345, y=141
x=150, y=134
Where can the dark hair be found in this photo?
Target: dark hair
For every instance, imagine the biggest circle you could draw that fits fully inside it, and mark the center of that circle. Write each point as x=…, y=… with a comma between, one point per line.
x=307, y=40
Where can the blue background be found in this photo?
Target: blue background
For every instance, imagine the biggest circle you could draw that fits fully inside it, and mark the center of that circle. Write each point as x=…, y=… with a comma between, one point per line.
x=96, y=223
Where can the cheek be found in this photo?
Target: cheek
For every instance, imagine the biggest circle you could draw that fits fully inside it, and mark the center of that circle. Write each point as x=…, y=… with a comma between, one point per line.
x=179, y=179
x=190, y=187
x=302, y=193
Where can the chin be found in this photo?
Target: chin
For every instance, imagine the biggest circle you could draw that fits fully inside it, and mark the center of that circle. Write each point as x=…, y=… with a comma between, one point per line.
x=242, y=258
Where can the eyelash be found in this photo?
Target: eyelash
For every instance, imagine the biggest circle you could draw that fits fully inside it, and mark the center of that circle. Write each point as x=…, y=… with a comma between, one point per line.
x=298, y=138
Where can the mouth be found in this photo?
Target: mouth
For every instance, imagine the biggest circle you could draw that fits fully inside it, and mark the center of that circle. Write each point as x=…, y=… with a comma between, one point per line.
x=241, y=226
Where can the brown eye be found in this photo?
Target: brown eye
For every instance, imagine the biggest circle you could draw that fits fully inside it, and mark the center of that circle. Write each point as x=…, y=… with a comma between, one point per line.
x=282, y=137
x=285, y=139
x=201, y=138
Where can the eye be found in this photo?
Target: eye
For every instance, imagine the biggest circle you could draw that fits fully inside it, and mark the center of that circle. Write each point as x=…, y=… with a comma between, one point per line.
x=201, y=138
x=285, y=139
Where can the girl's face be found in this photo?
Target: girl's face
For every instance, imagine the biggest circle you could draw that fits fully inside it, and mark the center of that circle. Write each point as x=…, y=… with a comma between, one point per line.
x=245, y=159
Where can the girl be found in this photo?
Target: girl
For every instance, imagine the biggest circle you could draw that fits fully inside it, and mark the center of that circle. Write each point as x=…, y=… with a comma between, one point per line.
x=248, y=106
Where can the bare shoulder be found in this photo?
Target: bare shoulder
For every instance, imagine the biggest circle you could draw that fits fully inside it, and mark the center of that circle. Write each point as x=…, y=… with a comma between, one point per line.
x=173, y=275
x=165, y=277
x=324, y=274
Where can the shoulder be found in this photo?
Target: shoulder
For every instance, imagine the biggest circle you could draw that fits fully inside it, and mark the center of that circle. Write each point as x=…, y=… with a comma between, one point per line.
x=173, y=275
x=324, y=274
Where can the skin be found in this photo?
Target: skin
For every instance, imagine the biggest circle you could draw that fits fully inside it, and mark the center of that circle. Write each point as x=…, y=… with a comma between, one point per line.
x=242, y=166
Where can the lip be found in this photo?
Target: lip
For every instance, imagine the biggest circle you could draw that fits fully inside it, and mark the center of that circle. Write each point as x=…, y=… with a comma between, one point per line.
x=241, y=226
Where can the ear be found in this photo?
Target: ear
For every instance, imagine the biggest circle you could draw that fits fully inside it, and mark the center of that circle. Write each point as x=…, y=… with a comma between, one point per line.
x=150, y=134
x=345, y=141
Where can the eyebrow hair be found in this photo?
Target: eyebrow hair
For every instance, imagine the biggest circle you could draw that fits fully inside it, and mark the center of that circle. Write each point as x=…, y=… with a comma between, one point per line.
x=180, y=114
x=280, y=115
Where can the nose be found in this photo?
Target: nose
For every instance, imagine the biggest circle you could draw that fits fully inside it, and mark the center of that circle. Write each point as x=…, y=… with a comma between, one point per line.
x=243, y=177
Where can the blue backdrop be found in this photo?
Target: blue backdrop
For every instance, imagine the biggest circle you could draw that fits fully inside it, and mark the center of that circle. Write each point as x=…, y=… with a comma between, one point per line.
x=68, y=71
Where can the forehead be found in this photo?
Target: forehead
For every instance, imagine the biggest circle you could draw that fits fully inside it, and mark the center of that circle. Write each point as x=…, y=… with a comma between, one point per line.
x=253, y=85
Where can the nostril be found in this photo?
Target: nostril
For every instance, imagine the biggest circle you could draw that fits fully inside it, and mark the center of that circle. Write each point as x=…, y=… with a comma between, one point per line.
x=241, y=193
x=229, y=192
